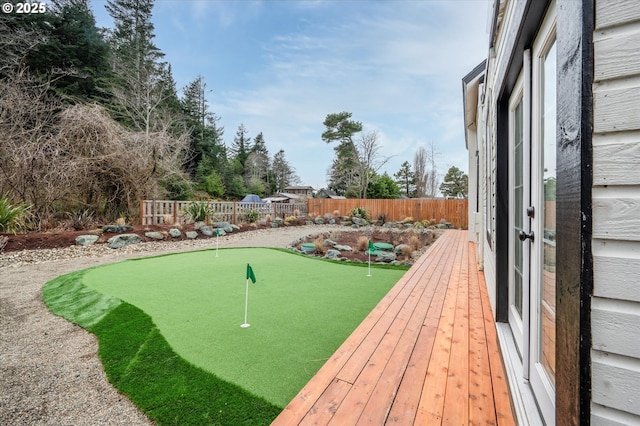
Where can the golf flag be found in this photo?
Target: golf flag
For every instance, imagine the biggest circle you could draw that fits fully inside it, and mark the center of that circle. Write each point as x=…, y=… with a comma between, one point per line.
x=217, y=232
x=250, y=274
x=371, y=248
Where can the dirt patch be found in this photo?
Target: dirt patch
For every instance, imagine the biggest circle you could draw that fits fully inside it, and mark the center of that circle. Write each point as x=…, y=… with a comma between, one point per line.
x=417, y=241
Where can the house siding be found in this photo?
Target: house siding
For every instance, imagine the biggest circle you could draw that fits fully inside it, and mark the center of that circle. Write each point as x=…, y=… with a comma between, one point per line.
x=615, y=306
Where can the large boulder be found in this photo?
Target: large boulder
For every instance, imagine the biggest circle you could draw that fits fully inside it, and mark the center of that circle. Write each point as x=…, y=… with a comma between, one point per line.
x=340, y=247
x=175, y=232
x=329, y=243
x=385, y=256
x=192, y=235
x=119, y=241
x=319, y=220
x=86, y=240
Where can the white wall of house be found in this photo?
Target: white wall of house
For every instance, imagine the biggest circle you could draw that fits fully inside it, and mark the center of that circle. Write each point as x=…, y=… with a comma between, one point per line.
x=615, y=307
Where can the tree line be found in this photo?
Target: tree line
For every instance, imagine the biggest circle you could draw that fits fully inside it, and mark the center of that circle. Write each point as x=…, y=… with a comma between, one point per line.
x=91, y=118
x=354, y=172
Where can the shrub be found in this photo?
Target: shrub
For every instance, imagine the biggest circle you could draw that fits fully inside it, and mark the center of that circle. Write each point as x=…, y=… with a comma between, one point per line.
x=360, y=212
x=408, y=219
x=336, y=213
x=289, y=219
x=167, y=219
x=382, y=218
x=197, y=211
x=296, y=213
x=415, y=243
x=3, y=242
x=425, y=223
x=363, y=244
x=81, y=219
x=318, y=245
x=252, y=216
x=407, y=251
x=12, y=217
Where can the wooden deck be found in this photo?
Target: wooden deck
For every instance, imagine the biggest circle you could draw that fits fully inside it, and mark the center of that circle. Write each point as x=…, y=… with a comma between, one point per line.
x=426, y=355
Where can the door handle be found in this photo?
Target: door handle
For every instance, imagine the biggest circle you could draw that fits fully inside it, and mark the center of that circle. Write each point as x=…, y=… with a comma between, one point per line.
x=523, y=236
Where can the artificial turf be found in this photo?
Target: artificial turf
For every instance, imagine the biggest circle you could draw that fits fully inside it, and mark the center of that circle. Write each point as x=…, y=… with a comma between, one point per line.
x=300, y=310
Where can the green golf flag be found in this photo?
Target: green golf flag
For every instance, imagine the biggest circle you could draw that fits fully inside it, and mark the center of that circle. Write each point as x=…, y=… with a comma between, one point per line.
x=217, y=232
x=371, y=247
x=250, y=274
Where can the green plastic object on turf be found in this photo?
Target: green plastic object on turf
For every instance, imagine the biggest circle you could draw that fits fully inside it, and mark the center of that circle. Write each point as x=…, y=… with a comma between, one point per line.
x=308, y=247
x=383, y=246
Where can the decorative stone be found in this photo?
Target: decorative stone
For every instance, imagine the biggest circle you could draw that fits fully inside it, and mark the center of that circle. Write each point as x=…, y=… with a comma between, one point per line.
x=319, y=221
x=86, y=240
x=175, y=232
x=332, y=254
x=116, y=229
x=329, y=243
x=119, y=241
x=224, y=225
x=235, y=227
x=198, y=225
x=154, y=235
x=192, y=235
x=207, y=231
x=278, y=221
x=308, y=222
x=358, y=221
x=343, y=247
x=385, y=256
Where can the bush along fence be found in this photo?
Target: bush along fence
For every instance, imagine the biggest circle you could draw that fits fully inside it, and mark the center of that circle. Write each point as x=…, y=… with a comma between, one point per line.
x=172, y=212
x=154, y=212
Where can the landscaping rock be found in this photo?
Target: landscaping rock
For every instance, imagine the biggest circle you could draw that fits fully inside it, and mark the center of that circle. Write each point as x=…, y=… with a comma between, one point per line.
x=342, y=247
x=154, y=235
x=224, y=225
x=234, y=227
x=221, y=232
x=385, y=256
x=278, y=221
x=329, y=243
x=198, y=225
x=86, y=240
x=319, y=221
x=192, y=235
x=175, y=232
x=308, y=222
x=332, y=254
x=122, y=240
x=359, y=221
x=207, y=231
x=117, y=229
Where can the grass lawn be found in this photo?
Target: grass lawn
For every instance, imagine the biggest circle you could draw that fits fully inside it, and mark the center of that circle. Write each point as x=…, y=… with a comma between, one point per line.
x=163, y=311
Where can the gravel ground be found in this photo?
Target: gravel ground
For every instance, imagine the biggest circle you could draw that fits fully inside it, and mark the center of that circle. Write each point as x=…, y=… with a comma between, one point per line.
x=50, y=373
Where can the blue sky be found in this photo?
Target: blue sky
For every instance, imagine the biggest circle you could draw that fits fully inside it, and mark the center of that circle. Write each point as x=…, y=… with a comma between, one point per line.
x=280, y=67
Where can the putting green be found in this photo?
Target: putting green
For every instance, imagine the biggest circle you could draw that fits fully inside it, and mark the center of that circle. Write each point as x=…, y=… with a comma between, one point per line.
x=300, y=310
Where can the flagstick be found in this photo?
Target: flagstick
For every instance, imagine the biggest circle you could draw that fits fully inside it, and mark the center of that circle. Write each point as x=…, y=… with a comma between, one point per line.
x=369, y=251
x=217, y=236
x=246, y=305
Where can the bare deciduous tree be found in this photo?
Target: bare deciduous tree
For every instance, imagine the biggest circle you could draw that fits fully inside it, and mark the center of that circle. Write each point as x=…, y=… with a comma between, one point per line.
x=426, y=171
x=369, y=159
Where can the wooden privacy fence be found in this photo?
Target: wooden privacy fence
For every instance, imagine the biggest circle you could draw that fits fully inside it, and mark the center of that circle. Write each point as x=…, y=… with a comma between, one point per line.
x=154, y=212
x=453, y=211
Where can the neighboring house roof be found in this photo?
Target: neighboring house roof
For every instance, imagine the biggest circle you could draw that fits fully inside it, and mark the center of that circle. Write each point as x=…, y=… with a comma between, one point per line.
x=294, y=187
x=288, y=195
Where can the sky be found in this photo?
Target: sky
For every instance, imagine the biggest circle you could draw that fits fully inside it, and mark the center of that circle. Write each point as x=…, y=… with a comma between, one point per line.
x=280, y=66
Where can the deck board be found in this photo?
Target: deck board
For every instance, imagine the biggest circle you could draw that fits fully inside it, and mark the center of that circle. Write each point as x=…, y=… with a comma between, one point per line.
x=426, y=354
